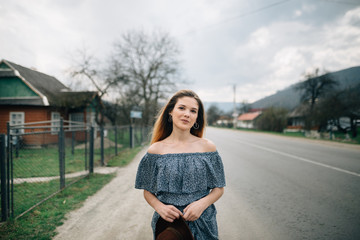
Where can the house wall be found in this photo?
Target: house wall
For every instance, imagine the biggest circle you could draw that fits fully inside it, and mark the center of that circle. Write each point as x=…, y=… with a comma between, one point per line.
x=12, y=87
x=32, y=114
x=297, y=121
x=245, y=124
x=38, y=114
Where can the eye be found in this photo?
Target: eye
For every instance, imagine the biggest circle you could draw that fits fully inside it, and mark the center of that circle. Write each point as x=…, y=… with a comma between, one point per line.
x=193, y=111
x=181, y=108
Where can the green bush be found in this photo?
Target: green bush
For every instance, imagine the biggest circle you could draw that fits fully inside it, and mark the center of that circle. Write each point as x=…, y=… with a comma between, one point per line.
x=272, y=119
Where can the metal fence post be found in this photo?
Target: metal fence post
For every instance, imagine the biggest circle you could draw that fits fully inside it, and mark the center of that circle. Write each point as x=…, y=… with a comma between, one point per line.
x=17, y=143
x=116, y=141
x=142, y=135
x=102, y=145
x=4, y=203
x=8, y=159
x=62, y=154
x=91, y=157
x=86, y=148
x=72, y=142
x=131, y=136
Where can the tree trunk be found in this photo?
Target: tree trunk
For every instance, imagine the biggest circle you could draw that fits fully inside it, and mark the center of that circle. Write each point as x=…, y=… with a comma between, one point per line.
x=353, y=127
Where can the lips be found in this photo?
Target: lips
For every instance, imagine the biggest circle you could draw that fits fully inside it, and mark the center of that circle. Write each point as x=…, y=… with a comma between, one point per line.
x=185, y=121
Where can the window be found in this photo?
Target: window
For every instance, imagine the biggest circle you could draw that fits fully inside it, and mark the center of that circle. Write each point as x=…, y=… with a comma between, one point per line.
x=55, y=122
x=17, y=118
x=76, y=117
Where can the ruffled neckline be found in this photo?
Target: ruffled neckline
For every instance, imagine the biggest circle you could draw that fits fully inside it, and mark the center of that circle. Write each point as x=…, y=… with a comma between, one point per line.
x=180, y=178
x=182, y=154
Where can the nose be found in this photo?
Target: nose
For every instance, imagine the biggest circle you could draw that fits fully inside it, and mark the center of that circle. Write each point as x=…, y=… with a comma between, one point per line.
x=186, y=114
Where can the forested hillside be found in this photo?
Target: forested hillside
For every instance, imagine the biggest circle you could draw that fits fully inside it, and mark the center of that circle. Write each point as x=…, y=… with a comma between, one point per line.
x=289, y=98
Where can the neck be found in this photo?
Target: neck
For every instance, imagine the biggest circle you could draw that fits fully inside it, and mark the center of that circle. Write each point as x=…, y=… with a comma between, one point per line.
x=178, y=135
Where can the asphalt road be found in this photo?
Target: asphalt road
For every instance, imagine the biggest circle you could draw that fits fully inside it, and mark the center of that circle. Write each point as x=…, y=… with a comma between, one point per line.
x=287, y=188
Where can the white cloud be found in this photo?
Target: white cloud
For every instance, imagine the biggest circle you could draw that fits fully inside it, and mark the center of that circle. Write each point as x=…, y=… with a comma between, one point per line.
x=298, y=13
x=261, y=53
x=285, y=50
x=308, y=8
x=260, y=39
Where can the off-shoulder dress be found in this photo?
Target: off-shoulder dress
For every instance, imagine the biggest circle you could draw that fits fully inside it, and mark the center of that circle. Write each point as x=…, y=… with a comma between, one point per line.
x=180, y=179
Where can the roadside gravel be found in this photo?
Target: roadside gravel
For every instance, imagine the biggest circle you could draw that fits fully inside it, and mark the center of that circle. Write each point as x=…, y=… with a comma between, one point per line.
x=117, y=211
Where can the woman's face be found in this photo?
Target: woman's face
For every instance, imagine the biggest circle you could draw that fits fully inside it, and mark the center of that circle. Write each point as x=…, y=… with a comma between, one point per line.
x=185, y=113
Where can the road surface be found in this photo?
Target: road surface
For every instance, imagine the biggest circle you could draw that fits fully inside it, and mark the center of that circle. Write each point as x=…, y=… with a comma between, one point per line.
x=277, y=188
x=286, y=188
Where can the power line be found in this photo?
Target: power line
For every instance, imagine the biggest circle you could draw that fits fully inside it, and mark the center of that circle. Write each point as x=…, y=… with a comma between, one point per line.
x=254, y=11
x=240, y=16
x=341, y=2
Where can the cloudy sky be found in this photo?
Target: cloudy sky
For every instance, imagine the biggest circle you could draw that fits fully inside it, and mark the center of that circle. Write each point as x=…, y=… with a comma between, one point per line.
x=262, y=46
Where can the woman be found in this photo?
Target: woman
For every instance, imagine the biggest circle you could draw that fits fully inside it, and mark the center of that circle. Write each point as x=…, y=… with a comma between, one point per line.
x=182, y=173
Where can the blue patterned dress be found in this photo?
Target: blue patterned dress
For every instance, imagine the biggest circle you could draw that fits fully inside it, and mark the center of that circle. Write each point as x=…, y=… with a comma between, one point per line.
x=181, y=178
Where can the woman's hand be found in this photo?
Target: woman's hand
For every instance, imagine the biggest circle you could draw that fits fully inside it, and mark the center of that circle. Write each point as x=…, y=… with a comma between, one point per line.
x=168, y=212
x=194, y=210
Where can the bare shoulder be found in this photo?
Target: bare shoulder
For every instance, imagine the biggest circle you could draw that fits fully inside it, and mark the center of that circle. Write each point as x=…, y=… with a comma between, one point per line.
x=155, y=148
x=207, y=145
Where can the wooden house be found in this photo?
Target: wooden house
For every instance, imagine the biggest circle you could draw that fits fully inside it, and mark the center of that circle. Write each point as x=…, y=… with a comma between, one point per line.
x=27, y=96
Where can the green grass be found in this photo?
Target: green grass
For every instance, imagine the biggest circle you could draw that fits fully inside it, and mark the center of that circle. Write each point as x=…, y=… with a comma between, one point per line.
x=123, y=136
x=289, y=134
x=338, y=136
x=44, y=162
x=293, y=134
x=124, y=158
x=41, y=222
x=27, y=195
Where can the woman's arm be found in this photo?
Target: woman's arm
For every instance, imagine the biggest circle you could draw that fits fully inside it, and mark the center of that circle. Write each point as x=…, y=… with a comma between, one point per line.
x=194, y=210
x=167, y=212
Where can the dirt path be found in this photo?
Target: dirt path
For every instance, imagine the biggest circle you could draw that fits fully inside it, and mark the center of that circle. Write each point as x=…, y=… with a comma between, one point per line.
x=103, y=170
x=117, y=211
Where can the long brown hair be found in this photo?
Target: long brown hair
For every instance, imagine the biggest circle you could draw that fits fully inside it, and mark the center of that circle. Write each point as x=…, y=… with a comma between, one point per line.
x=163, y=127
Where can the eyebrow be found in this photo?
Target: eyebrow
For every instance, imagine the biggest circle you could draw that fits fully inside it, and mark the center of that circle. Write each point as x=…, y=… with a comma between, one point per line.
x=194, y=108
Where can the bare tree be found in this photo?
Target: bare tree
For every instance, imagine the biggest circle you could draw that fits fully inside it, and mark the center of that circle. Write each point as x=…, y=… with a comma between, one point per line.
x=87, y=67
x=213, y=114
x=315, y=87
x=151, y=65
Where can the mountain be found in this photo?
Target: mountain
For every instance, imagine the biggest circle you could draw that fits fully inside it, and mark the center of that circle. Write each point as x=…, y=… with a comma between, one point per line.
x=289, y=98
x=226, y=107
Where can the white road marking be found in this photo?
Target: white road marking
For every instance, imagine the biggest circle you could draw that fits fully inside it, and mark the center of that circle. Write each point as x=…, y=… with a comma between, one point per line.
x=303, y=159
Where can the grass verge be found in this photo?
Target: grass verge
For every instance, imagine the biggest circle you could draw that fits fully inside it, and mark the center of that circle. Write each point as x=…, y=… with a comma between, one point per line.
x=41, y=222
x=124, y=157
x=337, y=137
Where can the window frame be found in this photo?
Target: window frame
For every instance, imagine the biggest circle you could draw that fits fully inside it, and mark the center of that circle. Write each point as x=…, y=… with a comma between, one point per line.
x=22, y=120
x=55, y=126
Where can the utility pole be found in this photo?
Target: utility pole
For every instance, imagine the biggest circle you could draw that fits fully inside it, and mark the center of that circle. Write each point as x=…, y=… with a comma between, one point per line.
x=235, y=115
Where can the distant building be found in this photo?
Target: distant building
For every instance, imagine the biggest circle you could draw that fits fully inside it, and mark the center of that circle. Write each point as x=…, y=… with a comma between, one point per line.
x=224, y=121
x=247, y=120
x=296, y=118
